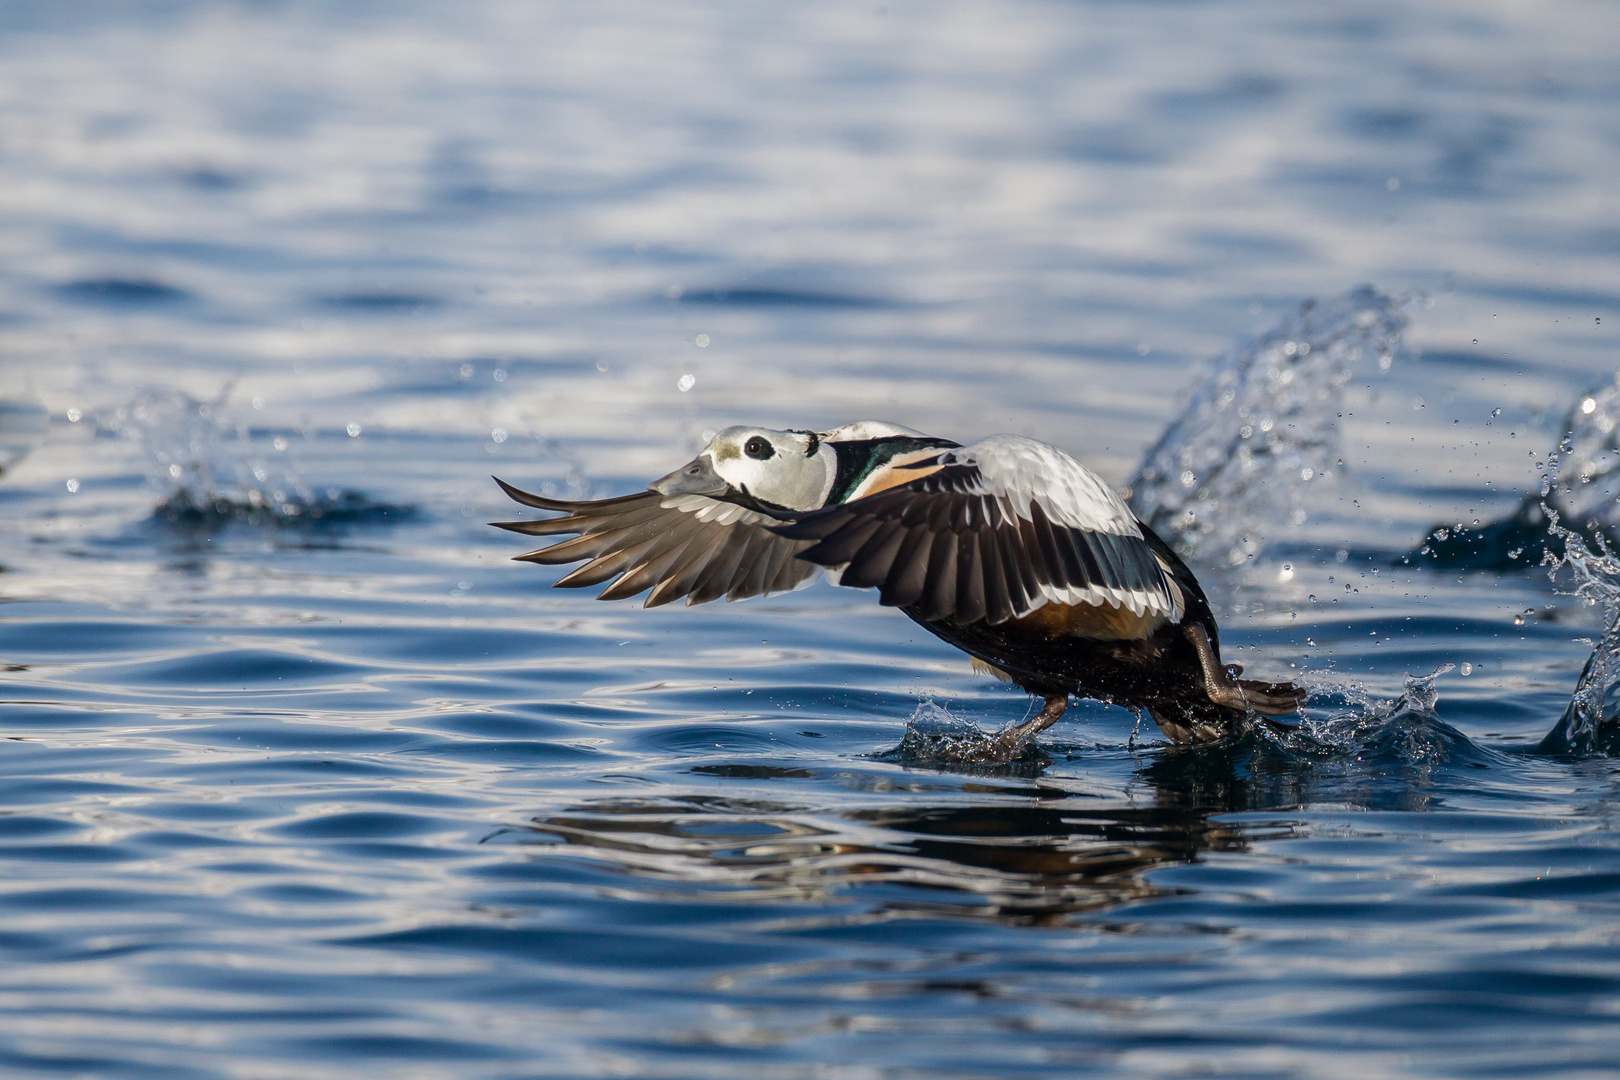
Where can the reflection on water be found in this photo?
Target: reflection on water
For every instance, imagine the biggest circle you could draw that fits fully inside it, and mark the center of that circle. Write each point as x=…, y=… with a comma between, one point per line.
x=1034, y=861
x=1038, y=849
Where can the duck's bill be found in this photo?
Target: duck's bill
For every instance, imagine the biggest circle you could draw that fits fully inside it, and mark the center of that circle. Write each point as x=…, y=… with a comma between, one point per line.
x=697, y=477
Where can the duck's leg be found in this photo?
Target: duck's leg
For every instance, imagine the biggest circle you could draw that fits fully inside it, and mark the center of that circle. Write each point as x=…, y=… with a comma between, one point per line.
x=1008, y=743
x=1223, y=688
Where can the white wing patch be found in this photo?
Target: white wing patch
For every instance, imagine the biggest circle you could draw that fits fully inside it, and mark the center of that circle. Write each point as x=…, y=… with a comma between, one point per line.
x=1132, y=600
x=1018, y=471
x=868, y=429
x=714, y=512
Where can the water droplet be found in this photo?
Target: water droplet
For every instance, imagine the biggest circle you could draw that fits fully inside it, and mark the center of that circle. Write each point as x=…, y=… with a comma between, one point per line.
x=279, y=443
x=500, y=375
x=353, y=430
x=258, y=402
x=1467, y=669
x=174, y=471
x=73, y=486
x=74, y=416
x=1476, y=341
x=1495, y=413
x=686, y=382
x=498, y=435
x=465, y=371
x=702, y=341
x=1588, y=406
x=1286, y=573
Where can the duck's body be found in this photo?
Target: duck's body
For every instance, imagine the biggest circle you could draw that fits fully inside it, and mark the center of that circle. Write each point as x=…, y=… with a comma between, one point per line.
x=1008, y=549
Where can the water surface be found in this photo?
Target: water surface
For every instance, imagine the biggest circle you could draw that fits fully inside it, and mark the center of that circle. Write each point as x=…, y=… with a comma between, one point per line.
x=303, y=777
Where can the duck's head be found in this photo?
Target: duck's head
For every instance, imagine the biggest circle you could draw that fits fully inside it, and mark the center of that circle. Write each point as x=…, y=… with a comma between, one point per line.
x=758, y=467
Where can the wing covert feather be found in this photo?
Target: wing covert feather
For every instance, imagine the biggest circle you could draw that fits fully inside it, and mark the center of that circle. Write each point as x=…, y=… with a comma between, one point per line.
x=955, y=546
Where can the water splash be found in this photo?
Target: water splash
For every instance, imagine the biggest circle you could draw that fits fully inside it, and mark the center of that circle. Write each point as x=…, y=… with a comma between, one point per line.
x=1591, y=722
x=1262, y=426
x=935, y=736
x=213, y=470
x=1361, y=732
x=1580, y=485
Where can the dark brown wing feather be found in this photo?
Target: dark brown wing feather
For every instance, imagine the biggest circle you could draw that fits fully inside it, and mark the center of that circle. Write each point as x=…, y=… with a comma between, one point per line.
x=673, y=552
x=941, y=543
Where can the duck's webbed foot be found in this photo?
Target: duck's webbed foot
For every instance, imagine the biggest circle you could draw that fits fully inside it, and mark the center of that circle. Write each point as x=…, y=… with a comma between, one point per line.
x=1010, y=742
x=1248, y=695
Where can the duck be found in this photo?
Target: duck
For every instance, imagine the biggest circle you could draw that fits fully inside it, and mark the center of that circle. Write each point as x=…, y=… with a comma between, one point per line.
x=1007, y=548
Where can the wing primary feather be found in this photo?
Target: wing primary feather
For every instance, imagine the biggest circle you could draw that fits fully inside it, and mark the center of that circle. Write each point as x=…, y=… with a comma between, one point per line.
x=600, y=569
x=839, y=548
x=1108, y=553
x=942, y=510
x=587, y=546
x=787, y=570
x=1022, y=585
x=751, y=580
x=1144, y=567
x=870, y=566
x=1074, y=566
x=542, y=526
x=970, y=587
x=916, y=510
x=717, y=573
x=904, y=584
x=998, y=602
x=939, y=586
x=541, y=502
x=1042, y=548
x=1087, y=550
x=657, y=562
x=680, y=577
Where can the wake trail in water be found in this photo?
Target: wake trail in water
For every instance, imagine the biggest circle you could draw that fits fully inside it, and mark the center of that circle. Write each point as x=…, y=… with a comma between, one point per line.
x=1262, y=425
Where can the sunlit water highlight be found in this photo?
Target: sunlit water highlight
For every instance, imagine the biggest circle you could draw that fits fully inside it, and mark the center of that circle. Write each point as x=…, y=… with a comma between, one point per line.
x=344, y=792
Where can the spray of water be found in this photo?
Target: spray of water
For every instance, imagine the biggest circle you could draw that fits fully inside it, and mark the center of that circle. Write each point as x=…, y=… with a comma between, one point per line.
x=1580, y=490
x=1261, y=426
x=1591, y=722
x=212, y=469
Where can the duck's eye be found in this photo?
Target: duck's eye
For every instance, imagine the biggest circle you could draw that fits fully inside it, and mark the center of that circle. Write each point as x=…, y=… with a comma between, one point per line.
x=758, y=447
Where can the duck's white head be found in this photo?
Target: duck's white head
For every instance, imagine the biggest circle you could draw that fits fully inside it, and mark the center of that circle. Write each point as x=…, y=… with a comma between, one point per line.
x=788, y=470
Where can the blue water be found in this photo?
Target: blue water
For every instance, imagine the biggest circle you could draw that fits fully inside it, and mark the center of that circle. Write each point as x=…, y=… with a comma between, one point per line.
x=304, y=778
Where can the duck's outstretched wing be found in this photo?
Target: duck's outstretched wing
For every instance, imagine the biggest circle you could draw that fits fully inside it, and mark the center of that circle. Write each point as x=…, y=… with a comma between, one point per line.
x=680, y=545
x=991, y=532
